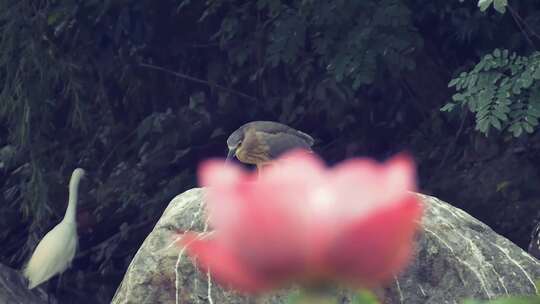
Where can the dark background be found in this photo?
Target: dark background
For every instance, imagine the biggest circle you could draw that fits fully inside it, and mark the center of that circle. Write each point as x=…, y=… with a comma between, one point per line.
x=138, y=92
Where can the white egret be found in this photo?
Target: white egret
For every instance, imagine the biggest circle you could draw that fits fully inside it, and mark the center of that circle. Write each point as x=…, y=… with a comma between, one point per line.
x=54, y=253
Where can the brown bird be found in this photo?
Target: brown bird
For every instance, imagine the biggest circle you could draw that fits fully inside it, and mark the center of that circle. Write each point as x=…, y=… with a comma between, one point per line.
x=259, y=142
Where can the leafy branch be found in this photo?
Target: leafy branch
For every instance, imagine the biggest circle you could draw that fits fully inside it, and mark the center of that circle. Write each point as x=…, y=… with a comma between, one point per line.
x=502, y=90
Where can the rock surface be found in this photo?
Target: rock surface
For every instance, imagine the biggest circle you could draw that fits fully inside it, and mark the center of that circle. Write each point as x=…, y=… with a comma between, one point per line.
x=456, y=257
x=13, y=289
x=502, y=191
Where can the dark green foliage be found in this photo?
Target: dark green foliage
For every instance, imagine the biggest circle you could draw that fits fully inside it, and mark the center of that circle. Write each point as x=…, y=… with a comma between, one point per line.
x=72, y=95
x=348, y=40
x=503, y=92
x=499, y=5
x=502, y=88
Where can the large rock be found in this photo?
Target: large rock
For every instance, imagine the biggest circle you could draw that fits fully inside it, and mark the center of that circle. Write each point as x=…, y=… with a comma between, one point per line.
x=456, y=257
x=13, y=289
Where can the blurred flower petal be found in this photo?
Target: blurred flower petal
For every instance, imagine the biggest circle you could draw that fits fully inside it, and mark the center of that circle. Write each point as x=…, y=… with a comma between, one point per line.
x=301, y=221
x=222, y=264
x=372, y=251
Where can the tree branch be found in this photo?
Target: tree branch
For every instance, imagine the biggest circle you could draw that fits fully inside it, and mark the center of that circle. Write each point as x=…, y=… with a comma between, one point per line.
x=523, y=26
x=197, y=80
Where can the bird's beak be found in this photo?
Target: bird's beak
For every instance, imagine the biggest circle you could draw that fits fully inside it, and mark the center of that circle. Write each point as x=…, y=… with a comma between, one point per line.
x=231, y=154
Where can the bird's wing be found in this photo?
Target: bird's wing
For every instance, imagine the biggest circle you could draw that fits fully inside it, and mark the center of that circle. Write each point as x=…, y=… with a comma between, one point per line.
x=272, y=127
x=280, y=143
x=254, y=149
x=53, y=254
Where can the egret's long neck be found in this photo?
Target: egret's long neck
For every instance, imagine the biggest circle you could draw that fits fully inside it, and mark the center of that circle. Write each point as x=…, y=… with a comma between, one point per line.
x=71, y=211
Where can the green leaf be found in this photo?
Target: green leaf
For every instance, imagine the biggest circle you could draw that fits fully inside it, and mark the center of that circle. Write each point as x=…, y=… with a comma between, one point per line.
x=479, y=66
x=484, y=4
x=516, y=129
x=536, y=73
x=471, y=81
x=527, y=127
x=532, y=120
x=533, y=112
x=453, y=82
x=495, y=123
x=516, y=89
x=458, y=97
x=500, y=114
x=526, y=80
x=500, y=5
x=448, y=107
x=482, y=113
x=482, y=125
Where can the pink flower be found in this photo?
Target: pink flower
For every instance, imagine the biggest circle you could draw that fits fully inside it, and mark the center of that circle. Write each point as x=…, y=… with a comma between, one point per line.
x=303, y=222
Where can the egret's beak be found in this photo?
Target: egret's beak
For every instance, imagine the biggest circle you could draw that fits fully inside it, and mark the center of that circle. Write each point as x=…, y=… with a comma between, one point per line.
x=231, y=154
